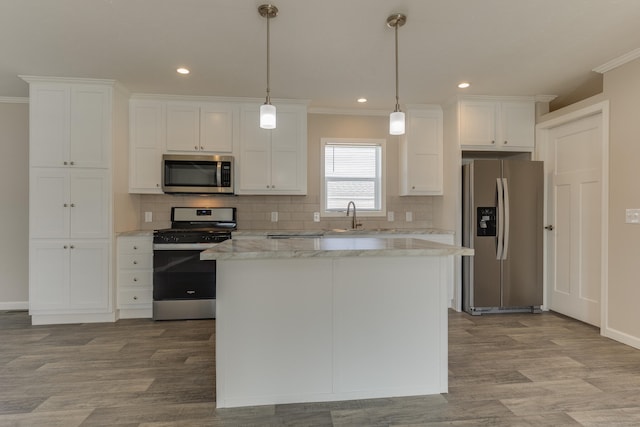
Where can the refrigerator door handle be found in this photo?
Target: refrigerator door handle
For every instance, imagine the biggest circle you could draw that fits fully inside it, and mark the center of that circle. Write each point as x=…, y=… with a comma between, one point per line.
x=500, y=219
x=507, y=208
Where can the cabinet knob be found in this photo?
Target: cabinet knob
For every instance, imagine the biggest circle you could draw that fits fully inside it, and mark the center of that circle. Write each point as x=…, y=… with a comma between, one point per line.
x=267, y=186
x=73, y=205
x=157, y=185
x=201, y=147
x=135, y=248
x=413, y=187
x=505, y=142
x=71, y=163
x=64, y=247
x=64, y=163
x=71, y=247
x=65, y=205
x=195, y=147
x=135, y=262
x=135, y=297
x=135, y=279
x=493, y=142
x=549, y=227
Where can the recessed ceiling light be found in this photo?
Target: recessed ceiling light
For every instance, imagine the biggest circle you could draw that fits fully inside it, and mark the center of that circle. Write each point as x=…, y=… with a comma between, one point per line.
x=183, y=70
x=464, y=85
x=362, y=100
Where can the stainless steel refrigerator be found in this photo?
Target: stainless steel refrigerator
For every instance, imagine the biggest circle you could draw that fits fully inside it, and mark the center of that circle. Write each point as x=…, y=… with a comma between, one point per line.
x=502, y=222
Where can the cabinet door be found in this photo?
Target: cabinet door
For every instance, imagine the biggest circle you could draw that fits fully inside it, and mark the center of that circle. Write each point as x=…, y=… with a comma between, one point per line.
x=183, y=127
x=90, y=129
x=49, y=203
x=89, y=203
x=254, y=164
x=146, y=142
x=49, y=125
x=48, y=275
x=288, y=159
x=216, y=128
x=478, y=122
x=89, y=275
x=421, y=160
x=517, y=124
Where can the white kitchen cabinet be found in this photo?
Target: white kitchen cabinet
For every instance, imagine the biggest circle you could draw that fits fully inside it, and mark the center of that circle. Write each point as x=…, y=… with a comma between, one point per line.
x=203, y=128
x=273, y=161
x=73, y=124
x=69, y=124
x=135, y=276
x=146, y=145
x=420, y=153
x=68, y=203
x=68, y=276
x=497, y=124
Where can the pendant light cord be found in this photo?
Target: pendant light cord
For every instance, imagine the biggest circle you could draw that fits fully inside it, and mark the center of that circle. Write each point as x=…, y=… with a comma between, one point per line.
x=397, y=85
x=268, y=61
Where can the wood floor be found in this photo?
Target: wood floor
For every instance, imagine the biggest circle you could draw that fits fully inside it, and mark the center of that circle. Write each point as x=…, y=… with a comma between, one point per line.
x=505, y=370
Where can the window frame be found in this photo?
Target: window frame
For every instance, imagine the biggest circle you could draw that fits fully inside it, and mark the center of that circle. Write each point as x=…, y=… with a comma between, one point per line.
x=382, y=143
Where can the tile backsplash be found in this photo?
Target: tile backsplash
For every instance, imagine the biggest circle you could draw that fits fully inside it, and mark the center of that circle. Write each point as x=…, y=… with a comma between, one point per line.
x=294, y=212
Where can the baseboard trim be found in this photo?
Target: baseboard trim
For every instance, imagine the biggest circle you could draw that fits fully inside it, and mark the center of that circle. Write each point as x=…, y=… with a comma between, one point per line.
x=14, y=305
x=622, y=337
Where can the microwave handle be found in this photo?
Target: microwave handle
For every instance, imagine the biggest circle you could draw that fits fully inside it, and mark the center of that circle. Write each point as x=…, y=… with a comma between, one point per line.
x=218, y=173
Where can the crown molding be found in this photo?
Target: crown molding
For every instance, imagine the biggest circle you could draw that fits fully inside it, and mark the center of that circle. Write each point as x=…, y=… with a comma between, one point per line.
x=616, y=62
x=13, y=100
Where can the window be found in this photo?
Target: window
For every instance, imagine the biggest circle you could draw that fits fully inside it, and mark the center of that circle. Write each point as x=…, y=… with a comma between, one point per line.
x=352, y=171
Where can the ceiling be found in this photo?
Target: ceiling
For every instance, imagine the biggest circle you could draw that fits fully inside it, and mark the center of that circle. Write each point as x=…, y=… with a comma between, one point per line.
x=329, y=52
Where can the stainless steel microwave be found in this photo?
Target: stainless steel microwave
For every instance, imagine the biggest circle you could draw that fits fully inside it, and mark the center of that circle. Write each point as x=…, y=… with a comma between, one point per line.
x=198, y=174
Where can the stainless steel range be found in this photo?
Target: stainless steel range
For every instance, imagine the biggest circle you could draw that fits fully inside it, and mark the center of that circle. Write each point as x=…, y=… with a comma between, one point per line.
x=183, y=286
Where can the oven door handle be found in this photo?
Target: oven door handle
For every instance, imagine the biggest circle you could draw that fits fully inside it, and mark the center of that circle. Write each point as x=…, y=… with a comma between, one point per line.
x=183, y=246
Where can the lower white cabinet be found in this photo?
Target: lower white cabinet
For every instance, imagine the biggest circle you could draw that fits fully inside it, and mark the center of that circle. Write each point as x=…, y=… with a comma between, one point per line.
x=135, y=276
x=67, y=278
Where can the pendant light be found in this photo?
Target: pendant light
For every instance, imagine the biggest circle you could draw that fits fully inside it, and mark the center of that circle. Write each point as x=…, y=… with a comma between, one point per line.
x=268, y=111
x=396, y=119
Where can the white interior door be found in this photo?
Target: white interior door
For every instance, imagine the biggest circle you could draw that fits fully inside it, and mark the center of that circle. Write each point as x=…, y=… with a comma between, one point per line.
x=575, y=200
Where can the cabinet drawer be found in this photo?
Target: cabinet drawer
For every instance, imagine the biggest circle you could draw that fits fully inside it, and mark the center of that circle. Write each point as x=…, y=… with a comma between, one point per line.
x=135, y=245
x=133, y=261
x=134, y=297
x=136, y=278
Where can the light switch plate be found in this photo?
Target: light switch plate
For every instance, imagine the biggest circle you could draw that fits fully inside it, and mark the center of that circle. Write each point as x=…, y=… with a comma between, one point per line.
x=316, y=217
x=390, y=216
x=274, y=216
x=632, y=216
x=148, y=217
x=409, y=216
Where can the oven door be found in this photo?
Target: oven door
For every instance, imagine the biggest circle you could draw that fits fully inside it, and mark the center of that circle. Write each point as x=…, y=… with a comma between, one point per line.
x=181, y=275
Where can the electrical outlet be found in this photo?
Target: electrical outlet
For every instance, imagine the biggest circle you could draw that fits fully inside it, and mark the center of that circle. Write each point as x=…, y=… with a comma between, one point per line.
x=390, y=216
x=409, y=216
x=148, y=216
x=632, y=216
x=274, y=216
x=316, y=217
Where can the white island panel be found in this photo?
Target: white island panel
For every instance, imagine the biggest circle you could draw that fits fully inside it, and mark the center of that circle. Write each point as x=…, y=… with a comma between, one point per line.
x=273, y=331
x=390, y=326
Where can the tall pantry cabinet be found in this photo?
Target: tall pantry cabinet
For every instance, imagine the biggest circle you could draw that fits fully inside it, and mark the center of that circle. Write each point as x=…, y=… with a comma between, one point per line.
x=71, y=212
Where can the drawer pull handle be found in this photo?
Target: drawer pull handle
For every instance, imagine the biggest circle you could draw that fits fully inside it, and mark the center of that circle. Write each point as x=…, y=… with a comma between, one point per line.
x=135, y=279
x=135, y=297
x=135, y=262
x=135, y=248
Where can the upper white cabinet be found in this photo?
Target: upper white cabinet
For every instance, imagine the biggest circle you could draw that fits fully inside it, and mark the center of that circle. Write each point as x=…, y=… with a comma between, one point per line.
x=272, y=161
x=200, y=127
x=146, y=145
x=420, y=153
x=54, y=141
x=497, y=124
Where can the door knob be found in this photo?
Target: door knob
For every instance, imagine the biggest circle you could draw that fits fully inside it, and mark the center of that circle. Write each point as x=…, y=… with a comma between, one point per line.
x=549, y=227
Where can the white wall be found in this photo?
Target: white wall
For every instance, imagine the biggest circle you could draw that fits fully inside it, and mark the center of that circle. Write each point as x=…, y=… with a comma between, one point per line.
x=14, y=205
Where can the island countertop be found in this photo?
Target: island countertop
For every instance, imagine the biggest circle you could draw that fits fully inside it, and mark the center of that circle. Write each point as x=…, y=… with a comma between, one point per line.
x=329, y=247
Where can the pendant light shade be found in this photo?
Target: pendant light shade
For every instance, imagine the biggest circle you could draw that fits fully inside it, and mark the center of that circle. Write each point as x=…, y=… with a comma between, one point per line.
x=396, y=123
x=268, y=111
x=396, y=119
x=267, y=116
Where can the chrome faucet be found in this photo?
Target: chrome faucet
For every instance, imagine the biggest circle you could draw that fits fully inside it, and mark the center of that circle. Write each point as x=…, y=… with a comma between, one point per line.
x=354, y=220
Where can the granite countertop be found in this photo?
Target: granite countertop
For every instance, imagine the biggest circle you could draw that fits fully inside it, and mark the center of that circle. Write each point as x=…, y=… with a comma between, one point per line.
x=136, y=233
x=339, y=232
x=328, y=247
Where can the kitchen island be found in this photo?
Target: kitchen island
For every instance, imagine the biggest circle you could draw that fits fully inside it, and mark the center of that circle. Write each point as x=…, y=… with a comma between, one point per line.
x=323, y=319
